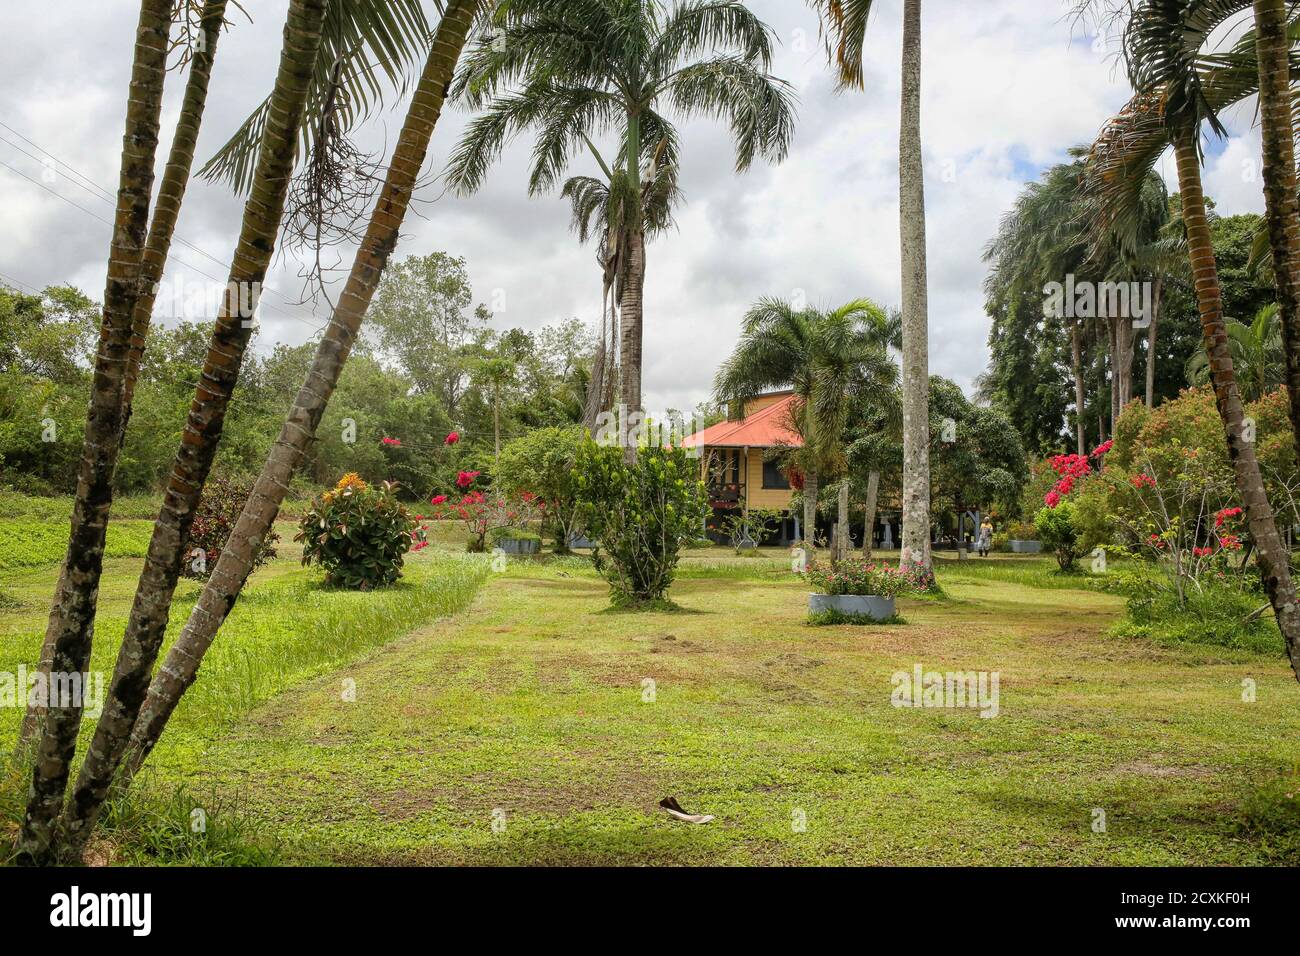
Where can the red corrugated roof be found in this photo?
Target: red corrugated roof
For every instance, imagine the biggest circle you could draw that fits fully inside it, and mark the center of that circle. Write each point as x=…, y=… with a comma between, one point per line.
x=762, y=429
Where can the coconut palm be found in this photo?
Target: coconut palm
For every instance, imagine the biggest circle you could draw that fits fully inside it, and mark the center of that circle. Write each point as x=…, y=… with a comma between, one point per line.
x=835, y=360
x=180, y=667
x=1258, y=356
x=846, y=26
x=576, y=70
x=1175, y=96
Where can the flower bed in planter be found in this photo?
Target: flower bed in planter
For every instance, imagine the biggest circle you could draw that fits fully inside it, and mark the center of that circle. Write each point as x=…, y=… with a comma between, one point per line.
x=858, y=589
x=513, y=541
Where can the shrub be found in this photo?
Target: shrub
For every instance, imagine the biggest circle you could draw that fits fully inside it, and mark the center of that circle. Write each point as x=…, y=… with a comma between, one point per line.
x=358, y=533
x=514, y=534
x=1057, y=530
x=487, y=514
x=218, y=510
x=642, y=513
x=541, y=463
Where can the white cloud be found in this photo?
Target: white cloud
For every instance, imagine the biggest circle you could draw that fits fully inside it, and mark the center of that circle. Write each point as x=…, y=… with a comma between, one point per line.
x=1006, y=90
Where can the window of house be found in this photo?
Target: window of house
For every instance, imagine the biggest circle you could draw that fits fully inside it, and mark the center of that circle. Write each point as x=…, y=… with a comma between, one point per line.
x=773, y=477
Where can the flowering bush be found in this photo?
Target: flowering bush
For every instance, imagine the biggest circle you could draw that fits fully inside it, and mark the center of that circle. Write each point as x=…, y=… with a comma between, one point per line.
x=218, y=510
x=484, y=513
x=358, y=534
x=858, y=577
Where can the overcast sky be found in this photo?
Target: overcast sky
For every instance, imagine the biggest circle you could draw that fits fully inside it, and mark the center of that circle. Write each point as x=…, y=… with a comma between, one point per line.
x=1008, y=87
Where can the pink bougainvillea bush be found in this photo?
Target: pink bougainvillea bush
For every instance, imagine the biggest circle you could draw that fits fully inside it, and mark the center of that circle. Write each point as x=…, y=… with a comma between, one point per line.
x=483, y=512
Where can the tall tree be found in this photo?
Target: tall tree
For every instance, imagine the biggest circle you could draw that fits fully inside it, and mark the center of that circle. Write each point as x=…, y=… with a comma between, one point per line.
x=574, y=70
x=72, y=616
x=846, y=21
x=835, y=360
x=1173, y=100
x=229, y=340
x=180, y=667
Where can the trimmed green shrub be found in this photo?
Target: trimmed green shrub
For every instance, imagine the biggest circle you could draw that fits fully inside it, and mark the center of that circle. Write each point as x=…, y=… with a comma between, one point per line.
x=1056, y=529
x=358, y=534
x=642, y=514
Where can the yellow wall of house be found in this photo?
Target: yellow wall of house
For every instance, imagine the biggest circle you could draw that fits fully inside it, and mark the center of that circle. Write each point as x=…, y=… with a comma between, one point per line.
x=760, y=497
x=762, y=402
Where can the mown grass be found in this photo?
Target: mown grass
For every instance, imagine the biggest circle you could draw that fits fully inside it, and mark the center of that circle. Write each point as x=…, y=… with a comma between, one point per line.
x=538, y=705
x=29, y=543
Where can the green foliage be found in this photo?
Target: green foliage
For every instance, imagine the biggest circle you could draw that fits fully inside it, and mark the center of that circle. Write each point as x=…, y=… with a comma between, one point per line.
x=1057, y=530
x=833, y=618
x=857, y=577
x=1223, y=610
x=358, y=534
x=541, y=461
x=222, y=503
x=983, y=465
x=642, y=513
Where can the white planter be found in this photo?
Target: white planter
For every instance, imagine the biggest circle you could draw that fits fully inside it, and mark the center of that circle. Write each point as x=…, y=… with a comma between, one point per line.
x=860, y=605
x=1025, y=547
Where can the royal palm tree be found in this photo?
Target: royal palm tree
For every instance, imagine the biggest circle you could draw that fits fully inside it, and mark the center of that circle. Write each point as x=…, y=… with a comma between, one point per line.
x=835, y=360
x=180, y=667
x=1175, y=96
x=846, y=23
x=576, y=70
x=600, y=208
x=1258, y=356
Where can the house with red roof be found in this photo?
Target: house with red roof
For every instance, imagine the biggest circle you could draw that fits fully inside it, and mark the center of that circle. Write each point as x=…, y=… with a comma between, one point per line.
x=736, y=462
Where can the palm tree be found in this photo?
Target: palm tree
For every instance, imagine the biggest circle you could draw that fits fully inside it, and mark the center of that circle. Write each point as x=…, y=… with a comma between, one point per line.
x=1258, y=355
x=1173, y=99
x=1281, y=205
x=598, y=208
x=202, y=433
x=181, y=665
x=846, y=22
x=834, y=360
x=574, y=70
x=72, y=618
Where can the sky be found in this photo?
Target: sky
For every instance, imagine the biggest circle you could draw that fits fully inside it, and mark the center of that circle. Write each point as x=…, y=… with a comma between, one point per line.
x=1007, y=87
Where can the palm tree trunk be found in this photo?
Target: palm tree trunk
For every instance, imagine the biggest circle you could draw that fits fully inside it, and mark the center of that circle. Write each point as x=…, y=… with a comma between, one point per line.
x=916, y=360
x=1112, y=333
x=230, y=337
x=180, y=667
x=72, y=617
x=171, y=192
x=869, y=513
x=1281, y=203
x=810, y=508
x=843, y=542
x=1272, y=556
x=496, y=423
x=630, y=309
x=1157, y=293
x=1076, y=366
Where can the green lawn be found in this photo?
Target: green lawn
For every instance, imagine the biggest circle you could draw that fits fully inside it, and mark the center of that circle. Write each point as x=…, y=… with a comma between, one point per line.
x=527, y=707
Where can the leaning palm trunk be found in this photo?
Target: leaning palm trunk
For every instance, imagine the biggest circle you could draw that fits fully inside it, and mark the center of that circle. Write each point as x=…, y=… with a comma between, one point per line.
x=230, y=337
x=171, y=192
x=180, y=667
x=1272, y=556
x=869, y=513
x=1281, y=203
x=916, y=360
x=72, y=617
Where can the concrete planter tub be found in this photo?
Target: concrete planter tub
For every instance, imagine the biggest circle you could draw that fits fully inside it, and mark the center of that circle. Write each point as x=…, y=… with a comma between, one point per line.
x=1025, y=547
x=858, y=605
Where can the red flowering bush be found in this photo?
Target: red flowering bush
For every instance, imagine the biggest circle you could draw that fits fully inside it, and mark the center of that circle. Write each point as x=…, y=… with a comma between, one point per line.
x=483, y=513
x=219, y=509
x=452, y=438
